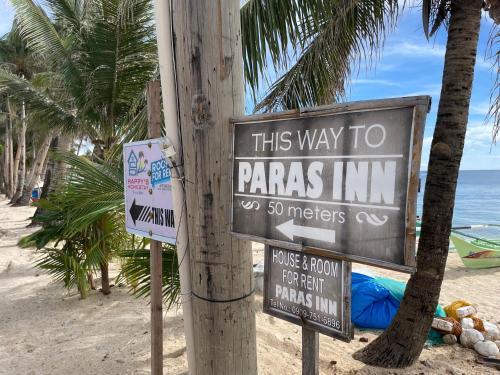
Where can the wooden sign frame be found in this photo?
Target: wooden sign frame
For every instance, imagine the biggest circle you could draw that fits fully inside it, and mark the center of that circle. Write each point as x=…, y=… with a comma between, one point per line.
x=346, y=333
x=420, y=105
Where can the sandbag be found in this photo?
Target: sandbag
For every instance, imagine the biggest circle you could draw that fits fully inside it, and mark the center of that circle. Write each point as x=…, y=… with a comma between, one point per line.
x=486, y=348
x=470, y=337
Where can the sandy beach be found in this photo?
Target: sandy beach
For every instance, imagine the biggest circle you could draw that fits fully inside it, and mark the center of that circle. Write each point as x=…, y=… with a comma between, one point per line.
x=46, y=330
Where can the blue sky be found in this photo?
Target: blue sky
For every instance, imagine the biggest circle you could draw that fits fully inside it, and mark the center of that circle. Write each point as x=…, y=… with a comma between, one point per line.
x=411, y=65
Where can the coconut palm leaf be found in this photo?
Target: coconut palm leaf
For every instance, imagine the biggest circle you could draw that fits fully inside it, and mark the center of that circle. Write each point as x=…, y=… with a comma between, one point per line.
x=434, y=14
x=268, y=27
x=41, y=36
x=64, y=265
x=39, y=104
x=325, y=38
x=137, y=273
x=494, y=111
x=119, y=58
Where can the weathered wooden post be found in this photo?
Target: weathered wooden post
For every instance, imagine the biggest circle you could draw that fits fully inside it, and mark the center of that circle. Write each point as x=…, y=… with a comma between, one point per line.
x=154, y=131
x=310, y=351
x=211, y=91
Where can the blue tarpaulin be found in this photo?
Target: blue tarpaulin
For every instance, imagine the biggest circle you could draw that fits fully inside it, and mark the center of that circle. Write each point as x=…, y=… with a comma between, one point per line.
x=375, y=302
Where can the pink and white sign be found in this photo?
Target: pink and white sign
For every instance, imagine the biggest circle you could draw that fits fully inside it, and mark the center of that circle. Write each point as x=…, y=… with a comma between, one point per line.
x=149, y=208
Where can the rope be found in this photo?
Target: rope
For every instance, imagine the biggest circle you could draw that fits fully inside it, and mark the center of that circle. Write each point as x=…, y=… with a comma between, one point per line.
x=474, y=237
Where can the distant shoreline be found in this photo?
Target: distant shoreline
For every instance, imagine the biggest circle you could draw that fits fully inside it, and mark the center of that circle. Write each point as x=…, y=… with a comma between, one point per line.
x=471, y=170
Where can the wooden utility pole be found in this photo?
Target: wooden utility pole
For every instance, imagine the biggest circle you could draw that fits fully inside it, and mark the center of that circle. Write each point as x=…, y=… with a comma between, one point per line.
x=154, y=131
x=211, y=91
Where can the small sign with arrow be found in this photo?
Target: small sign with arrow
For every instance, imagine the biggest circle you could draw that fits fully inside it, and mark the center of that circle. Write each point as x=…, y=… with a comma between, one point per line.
x=148, y=197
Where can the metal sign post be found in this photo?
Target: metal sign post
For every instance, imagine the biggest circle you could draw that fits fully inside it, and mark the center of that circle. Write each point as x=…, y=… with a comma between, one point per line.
x=342, y=178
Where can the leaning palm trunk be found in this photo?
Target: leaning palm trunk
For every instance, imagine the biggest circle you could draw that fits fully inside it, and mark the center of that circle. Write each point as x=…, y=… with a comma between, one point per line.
x=17, y=160
x=20, y=164
x=35, y=172
x=401, y=344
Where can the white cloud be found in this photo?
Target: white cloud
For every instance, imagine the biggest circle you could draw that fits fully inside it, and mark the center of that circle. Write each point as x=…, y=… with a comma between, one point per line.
x=414, y=50
x=479, y=109
x=433, y=89
x=479, y=135
x=423, y=50
x=384, y=82
x=483, y=63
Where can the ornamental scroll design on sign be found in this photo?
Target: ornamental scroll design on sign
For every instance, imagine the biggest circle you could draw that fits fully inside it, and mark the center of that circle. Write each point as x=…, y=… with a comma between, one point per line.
x=372, y=219
x=250, y=205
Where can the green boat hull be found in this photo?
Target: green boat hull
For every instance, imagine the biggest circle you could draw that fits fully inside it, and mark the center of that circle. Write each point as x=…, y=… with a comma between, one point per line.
x=477, y=254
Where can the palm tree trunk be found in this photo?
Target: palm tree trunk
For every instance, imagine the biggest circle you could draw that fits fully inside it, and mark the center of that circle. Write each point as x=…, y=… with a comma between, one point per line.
x=99, y=152
x=9, y=162
x=35, y=172
x=17, y=159
x=21, y=158
x=401, y=344
x=5, y=160
x=55, y=172
x=2, y=168
x=106, y=288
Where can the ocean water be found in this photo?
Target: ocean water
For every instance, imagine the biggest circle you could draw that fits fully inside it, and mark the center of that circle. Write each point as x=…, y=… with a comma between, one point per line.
x=477, y=200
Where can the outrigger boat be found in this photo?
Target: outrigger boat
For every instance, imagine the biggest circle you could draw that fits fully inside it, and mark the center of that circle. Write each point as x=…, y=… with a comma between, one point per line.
x=476, y=252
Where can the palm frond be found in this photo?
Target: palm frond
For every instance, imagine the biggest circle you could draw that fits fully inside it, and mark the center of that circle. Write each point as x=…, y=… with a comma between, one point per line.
x=41, y=36
x=38, y=103
x=65, y=265
x=137, y=273
x=434, y=14
x=328, y=44
x=93, y=190
x=120, y=57
x=267, y=28
x=494, y=110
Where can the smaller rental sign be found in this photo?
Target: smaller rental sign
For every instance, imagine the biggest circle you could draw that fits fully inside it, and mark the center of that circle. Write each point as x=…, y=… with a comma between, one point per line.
x=148, y=197
x=308, y=289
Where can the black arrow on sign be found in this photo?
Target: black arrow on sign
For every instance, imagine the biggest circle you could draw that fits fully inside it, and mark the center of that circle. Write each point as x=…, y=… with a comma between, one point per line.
x=135, y=211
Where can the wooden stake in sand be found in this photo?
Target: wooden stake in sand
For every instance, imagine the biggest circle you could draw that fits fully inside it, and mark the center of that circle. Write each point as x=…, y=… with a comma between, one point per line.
x=310, y=351
x=154, y=131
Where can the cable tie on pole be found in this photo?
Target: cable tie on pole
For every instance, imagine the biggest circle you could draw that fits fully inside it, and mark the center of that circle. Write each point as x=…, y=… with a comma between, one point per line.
x=224, y=301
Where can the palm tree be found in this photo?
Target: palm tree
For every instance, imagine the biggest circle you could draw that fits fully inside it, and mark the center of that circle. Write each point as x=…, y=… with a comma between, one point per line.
x=99, y=56
x=15, y=57
x=336, y=33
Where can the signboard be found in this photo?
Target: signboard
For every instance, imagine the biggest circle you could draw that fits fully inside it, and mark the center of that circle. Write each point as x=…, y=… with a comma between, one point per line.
x=342, y=178
x=148, y=197
x=308, y=289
